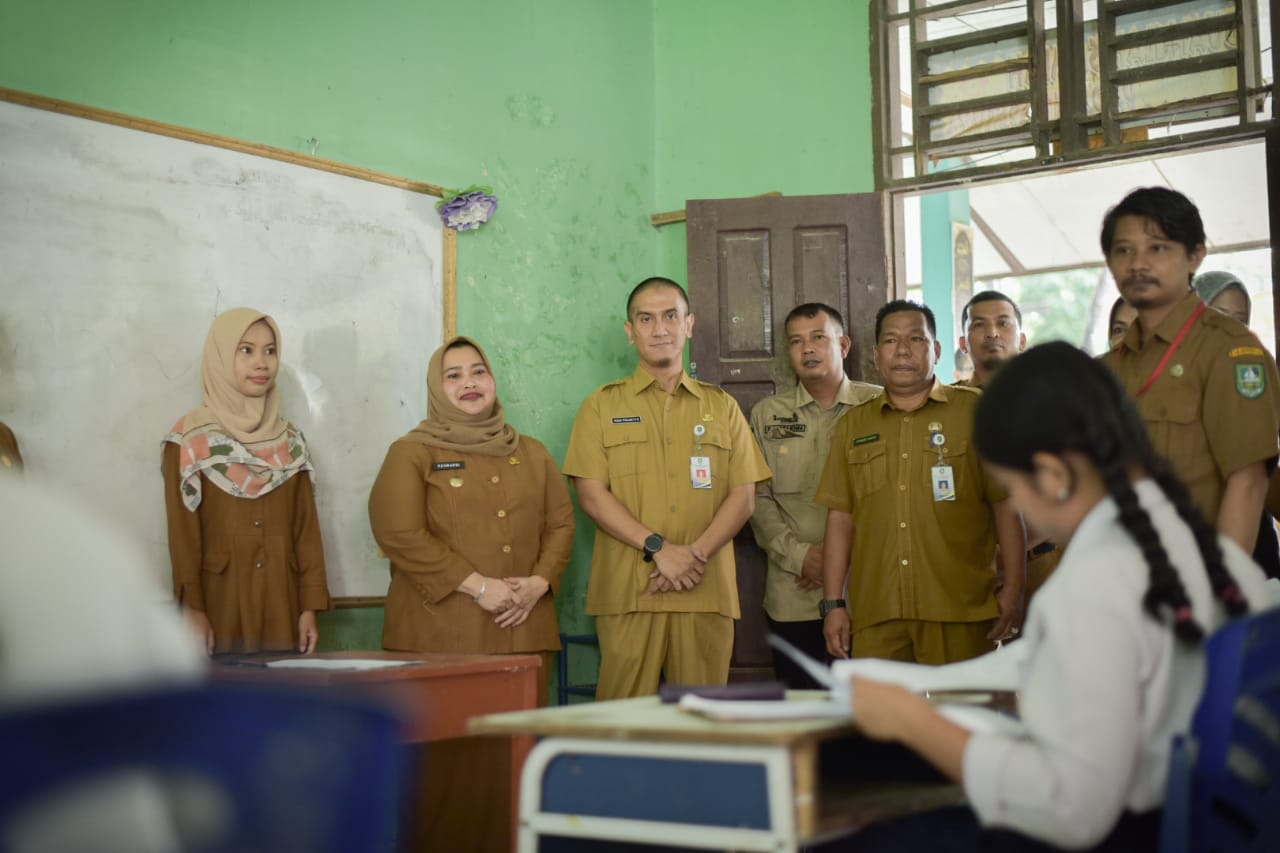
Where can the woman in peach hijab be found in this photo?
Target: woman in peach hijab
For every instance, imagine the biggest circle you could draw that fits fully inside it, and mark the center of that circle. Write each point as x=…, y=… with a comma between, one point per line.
x=244, y=540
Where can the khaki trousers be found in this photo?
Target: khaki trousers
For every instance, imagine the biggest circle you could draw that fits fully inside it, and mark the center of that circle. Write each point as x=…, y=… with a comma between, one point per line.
x=693, y=648
x=923, y=642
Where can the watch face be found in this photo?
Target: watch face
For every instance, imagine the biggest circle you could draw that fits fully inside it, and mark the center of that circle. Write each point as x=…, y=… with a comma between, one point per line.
x=653, y=543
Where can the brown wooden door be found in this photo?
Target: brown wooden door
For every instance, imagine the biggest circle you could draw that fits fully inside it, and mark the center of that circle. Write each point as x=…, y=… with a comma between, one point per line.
x=751, y=261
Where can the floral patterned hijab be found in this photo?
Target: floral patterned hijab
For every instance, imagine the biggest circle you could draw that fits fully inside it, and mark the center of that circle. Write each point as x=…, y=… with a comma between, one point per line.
x=241, y=444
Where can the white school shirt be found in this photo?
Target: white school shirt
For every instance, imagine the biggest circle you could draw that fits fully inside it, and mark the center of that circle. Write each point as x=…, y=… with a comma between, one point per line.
x=1104, y=688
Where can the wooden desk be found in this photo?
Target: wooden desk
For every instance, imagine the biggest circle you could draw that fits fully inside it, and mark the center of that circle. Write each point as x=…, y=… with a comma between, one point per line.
x=638, y=770
x=436, y=698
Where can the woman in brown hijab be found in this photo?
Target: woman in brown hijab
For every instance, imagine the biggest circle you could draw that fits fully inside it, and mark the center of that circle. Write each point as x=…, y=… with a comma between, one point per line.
x=476, y=520
x=248, y=564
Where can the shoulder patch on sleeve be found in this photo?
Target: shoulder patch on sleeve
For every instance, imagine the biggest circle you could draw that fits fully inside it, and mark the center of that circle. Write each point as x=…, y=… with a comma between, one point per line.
x=1251, y=380
x=1240, y=352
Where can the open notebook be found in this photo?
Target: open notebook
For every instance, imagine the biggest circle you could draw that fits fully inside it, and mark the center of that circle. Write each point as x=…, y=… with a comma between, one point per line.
x=955, y=687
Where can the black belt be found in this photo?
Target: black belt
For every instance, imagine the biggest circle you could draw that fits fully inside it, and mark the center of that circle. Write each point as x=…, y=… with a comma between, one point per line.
x=1042, y=549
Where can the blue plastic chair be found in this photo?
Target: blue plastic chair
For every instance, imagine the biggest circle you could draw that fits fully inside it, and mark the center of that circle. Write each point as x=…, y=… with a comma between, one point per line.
x=247, y=768
x=1224, y=779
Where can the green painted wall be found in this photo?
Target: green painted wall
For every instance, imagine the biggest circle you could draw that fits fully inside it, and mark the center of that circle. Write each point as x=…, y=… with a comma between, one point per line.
x=585, y=116
x=757, y=96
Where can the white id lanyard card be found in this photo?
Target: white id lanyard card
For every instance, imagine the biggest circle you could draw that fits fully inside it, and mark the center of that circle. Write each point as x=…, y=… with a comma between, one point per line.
x=700, y=471
x=944, y=483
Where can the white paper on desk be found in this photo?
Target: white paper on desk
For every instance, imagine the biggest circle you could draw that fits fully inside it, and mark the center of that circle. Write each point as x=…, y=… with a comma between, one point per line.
x=998, y=670
x=773, y=709
x=338, y=663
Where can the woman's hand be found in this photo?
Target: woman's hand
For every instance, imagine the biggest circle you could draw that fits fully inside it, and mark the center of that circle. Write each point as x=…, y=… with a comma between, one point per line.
x=496, y=597
x=308, y=635
x=525, y=593
x=199, y=622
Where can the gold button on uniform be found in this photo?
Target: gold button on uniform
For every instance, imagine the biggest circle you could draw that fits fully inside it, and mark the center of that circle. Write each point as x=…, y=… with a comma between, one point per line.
x=502, y=513
x=258, y=564
x=495, y=478
x=904, y=562
x=506, y=549
x=257, y=523
x=456, y=482
x=902, y=524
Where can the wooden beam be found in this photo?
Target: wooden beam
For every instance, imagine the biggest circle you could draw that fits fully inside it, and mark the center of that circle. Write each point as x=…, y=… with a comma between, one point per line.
x=54, y=105
x=660, y=219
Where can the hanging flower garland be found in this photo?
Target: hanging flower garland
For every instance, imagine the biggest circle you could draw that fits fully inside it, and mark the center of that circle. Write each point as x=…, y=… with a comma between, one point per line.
x=468, y=209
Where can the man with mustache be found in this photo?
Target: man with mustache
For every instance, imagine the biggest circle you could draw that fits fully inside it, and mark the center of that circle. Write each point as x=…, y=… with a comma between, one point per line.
x=992, y=335
x=794, y=428
x=913, y=519
x=992, y=325
x=1204, y=385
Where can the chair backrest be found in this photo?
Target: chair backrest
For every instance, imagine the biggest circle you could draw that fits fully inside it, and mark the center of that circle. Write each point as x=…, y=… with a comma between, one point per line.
x=1224, y=792
x=230, y=768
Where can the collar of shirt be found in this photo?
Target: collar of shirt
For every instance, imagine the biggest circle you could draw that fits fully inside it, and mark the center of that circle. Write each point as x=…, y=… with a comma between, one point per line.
x=846, y=395
x=642, y=379
x=939, y=393
x=1169, y=327
x=1098, y=519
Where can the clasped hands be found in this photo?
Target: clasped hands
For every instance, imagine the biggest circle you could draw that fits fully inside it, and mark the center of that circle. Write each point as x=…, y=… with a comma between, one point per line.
x=511, y=600
x=676, y=568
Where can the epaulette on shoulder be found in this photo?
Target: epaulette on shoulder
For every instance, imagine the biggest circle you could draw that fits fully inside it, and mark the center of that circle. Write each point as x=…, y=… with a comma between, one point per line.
x=1227, y=325
x=966, y=389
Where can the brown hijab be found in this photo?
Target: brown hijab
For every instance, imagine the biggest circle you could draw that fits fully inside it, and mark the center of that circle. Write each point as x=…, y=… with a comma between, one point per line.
x=449, y=427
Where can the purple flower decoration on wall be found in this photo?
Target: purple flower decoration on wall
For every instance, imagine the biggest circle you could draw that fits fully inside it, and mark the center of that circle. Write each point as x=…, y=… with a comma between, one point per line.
x=467, y=210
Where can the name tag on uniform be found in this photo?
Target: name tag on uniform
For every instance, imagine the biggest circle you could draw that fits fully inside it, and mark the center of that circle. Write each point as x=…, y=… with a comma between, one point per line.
x=448, y=466
x=944, y=483
x=700, y=471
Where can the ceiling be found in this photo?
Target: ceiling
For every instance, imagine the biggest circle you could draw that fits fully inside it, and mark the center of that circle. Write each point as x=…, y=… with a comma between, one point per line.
x=1051, y=222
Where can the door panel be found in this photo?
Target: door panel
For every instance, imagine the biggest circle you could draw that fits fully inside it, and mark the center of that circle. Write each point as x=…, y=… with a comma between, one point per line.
x=750, y=262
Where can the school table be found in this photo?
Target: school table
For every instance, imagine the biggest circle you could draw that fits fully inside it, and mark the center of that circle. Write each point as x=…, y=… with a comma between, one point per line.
x=436, y=696
x=640, y=771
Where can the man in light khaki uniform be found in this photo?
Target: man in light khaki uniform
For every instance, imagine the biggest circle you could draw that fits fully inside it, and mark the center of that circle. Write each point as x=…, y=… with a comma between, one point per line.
x=913, y=520
x=992, y=325
x=666, y=467
x=794, y=429
x=1205, y=386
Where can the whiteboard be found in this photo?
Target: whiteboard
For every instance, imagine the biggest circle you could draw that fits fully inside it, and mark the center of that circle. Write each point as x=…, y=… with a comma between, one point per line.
x=118, y=247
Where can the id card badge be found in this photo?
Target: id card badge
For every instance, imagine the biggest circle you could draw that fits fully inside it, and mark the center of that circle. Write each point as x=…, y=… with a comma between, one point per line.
x=700, y=471
x=944, y=483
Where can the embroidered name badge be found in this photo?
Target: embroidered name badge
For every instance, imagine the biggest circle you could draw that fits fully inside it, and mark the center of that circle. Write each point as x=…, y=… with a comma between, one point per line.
x=1243, y=351
x=866, y=439
x=634, y=419
x=791, y=420
x=784, y=430
x=1251, y=380
x=448, y=466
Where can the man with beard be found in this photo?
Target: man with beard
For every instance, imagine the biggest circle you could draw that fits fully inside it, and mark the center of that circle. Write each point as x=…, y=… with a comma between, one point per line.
x=794, y=429
x=992, y=335
x=913, y=519
x=1205, y=387
x=666, y=467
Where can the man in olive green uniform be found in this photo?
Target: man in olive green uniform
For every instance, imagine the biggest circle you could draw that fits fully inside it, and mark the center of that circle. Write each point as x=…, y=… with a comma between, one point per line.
x=794, y=429
x=666, y=467
x=1205, y=387
x=913, y=520
x=992, y=334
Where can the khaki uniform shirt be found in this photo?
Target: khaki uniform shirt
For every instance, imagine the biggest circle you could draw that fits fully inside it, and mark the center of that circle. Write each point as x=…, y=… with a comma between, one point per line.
x=440, y=515
x=639, y=441
x=795, y=434
x=10, y=458
x=1215, y=408
x=914, y=557
x=251, y=564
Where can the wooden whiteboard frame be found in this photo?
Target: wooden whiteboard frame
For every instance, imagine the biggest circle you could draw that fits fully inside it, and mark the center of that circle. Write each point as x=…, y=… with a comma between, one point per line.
x=449, y=267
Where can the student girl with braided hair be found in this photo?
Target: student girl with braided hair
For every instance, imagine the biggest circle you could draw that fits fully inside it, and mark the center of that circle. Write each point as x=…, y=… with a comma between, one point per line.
x=1113, y=665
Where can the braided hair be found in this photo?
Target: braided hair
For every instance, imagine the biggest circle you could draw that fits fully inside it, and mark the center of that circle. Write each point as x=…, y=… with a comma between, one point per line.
x=1054, y=398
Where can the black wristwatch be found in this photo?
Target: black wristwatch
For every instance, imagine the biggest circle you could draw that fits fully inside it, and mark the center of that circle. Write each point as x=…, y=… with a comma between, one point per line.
x=652, y=545
x=826, y=605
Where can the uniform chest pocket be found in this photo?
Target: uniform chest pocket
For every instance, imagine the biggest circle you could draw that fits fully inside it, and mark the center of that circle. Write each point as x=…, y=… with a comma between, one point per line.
x=1173, y=419
x=625, y=447
x=216, y=563
x=868, y=468
x=790, y=460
